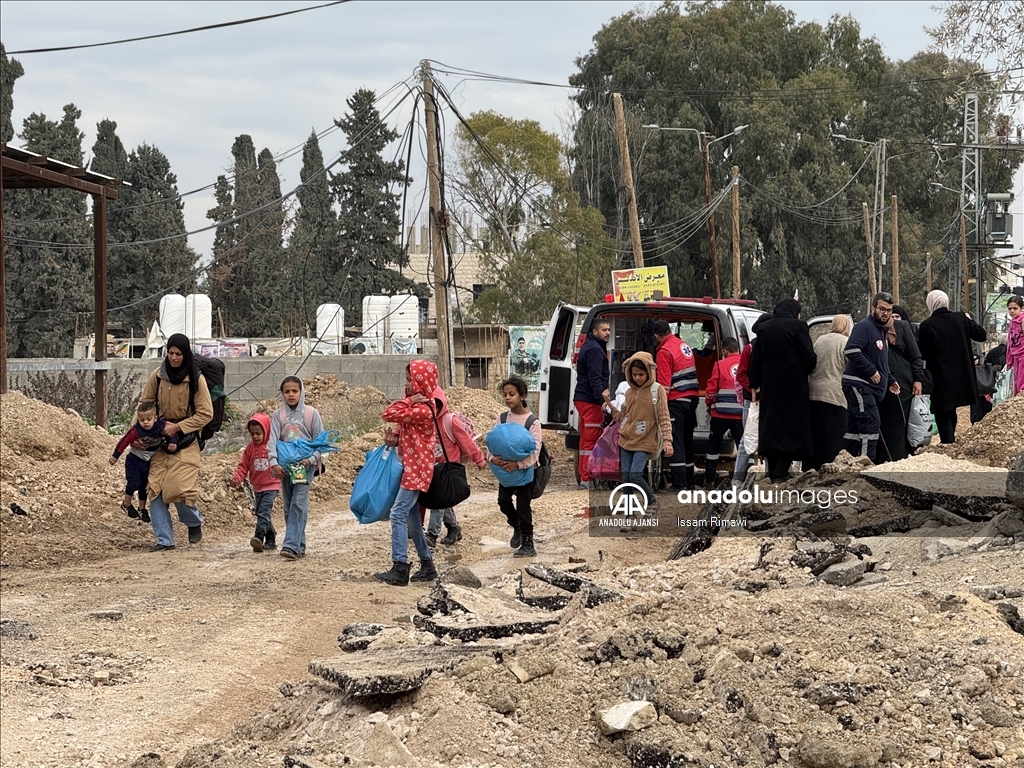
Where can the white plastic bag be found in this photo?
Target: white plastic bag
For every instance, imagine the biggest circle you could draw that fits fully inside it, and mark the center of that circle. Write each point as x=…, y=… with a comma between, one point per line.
x=750, y=429
x=1004, y=386
x=919, y=421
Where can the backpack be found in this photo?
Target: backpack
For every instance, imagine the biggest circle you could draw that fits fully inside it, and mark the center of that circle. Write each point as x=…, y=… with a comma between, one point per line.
x=307, y=418
x=211, y=369
x=542, y=470
x=465, y=422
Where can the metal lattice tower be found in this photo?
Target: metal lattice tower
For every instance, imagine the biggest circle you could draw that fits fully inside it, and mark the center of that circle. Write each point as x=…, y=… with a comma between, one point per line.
x=970, y=180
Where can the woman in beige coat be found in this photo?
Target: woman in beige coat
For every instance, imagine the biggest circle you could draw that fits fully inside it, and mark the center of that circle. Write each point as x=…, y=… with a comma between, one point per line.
x=828, y=403
x=183, y=401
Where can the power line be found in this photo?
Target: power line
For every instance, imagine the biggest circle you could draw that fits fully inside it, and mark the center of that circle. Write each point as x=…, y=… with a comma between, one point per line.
x=205, y=28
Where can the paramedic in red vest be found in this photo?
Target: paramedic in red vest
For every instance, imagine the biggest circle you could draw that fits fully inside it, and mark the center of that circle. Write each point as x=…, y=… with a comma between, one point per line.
x=725, y=407
x=592, y=376
x=677, y=373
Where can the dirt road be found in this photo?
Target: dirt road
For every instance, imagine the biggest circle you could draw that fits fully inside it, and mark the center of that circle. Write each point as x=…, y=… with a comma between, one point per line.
x=156, y=652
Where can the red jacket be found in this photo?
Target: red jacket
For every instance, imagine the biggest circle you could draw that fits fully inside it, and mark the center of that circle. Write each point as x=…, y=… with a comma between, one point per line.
x=416, y=432
x=721, y=396
x=255, y=461
x=677, y=370
x=743, y=372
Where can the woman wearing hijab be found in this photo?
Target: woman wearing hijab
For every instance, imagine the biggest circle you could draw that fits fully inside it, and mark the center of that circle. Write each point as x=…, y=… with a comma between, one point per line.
x=828, y=402
x=907, y=367
x=946, y=348
x=183, y=401
x=779, y=365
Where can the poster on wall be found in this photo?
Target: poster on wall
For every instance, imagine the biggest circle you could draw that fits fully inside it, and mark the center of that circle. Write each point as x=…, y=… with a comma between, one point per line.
x=642, y=284
x=527, y=346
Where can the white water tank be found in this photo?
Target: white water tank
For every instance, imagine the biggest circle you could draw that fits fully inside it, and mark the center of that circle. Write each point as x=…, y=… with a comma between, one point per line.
x=404, y=317
x=375, y=315
x=172, y=314
x=198, y=317
x=330, y=322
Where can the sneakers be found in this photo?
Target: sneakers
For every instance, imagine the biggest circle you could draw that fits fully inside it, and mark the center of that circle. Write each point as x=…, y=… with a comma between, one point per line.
x=432, y=540
x=526, y=549
x=130, y=510
x=144, y=515
x=287, y=554
x=256, y=543
x=398, y=576
x=454, y=535
x=161, y=547
x=517, y=539
x=427, y=572
x=195, y=534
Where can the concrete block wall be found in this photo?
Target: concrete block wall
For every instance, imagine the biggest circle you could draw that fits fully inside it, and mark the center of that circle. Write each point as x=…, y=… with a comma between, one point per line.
x=258, y=378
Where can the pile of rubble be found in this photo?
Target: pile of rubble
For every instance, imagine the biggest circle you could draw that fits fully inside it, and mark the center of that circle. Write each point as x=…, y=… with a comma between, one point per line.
x=994, y=441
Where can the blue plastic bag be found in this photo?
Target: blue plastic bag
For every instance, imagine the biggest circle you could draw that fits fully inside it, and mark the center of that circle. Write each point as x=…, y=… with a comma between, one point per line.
x=294, y=451
x=512, y=442
x=376, y=485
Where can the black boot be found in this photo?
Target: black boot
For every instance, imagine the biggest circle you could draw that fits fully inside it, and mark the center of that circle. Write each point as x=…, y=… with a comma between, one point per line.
x=256, y=542
x=454, y=535
x=526, y=549
x=398, y=576
x=270, y=540
x=427, y=572
x=431, y=540
x=195, y=534
x=517, y=538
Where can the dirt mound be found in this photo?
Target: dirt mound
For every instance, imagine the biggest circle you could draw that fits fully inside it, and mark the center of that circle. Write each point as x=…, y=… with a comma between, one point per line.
x=994, y=441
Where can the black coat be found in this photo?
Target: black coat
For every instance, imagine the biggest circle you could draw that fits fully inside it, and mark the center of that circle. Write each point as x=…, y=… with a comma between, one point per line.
x=946, y=349
x=779, y=365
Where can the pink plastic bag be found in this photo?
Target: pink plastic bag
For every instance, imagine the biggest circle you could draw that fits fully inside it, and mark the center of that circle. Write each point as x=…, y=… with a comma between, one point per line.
x=604, y=459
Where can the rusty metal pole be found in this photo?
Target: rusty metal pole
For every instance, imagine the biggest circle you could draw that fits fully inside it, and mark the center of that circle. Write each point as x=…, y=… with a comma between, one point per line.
x=966, y=290
x=99, y=228
x=735, y=232
x=894, y=224
x=627, y=175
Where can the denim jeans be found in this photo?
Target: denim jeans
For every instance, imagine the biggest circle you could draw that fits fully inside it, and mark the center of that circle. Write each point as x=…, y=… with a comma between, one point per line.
x=439, y=515
x=265, y=503
x=632, y=464
x=295, y=497
x=160, y=516
x=405, y=521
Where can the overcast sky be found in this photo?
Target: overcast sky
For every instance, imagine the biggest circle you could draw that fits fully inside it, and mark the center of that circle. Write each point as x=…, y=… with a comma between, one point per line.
x=276, y=80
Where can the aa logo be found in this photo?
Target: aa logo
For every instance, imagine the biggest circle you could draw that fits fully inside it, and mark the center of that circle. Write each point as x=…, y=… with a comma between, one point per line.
x=628, y=499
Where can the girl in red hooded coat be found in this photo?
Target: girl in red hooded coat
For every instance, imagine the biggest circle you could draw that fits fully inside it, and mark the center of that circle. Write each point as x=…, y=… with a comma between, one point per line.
x=416, y=435
x=255, y=464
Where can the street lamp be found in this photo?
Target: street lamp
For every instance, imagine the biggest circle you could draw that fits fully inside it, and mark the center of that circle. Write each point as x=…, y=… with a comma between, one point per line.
x=704, y=144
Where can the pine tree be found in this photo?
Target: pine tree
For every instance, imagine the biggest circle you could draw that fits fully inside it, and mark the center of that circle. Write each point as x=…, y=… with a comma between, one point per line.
x=368, y=219
x=10, y=70
x=49, y=286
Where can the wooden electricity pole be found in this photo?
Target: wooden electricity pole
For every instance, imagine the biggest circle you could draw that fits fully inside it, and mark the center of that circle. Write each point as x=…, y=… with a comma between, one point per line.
x=735, y=232
x=966, y=290
x=894, y=225
x=438, y=223
x=872, y=285
x=627, y=175
x=711, y=214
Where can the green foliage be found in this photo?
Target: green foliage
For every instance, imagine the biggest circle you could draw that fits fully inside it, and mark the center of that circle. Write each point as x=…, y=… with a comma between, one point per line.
x=79, y=392
x=46, y=284
x=10, y=71
x=541, y=246
x=714, y=66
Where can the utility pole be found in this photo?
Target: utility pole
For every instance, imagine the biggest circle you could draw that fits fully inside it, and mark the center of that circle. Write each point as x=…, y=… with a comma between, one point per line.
x=627, y=175
x=963, y=264
x=438, y=224
x=711, y=214
x=99, y=220
x=872, y=287
x=895, y=236
x=927, y=273
x=880, y=209
x=735, y=232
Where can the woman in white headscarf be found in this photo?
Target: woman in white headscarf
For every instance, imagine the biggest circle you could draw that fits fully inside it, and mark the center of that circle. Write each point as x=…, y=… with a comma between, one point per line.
x=946, y=347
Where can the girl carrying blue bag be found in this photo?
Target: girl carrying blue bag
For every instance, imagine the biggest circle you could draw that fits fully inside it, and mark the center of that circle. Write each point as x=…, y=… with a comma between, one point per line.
x=512, y=453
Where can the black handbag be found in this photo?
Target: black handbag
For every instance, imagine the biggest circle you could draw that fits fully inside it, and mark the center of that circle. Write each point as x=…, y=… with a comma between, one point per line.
x=449, y=485
x=986, y=376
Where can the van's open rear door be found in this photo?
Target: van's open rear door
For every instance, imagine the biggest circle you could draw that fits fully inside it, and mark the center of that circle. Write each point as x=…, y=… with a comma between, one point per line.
x=557, y=373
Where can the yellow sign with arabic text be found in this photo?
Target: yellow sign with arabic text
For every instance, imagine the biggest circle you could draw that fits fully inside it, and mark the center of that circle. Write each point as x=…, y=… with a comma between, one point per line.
x=644, y=284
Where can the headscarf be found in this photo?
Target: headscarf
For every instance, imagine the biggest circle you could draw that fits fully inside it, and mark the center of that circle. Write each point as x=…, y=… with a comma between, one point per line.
x=840, y=325
x=188, y=364
x=904, y=315
x=936, y=300
x=787, y=308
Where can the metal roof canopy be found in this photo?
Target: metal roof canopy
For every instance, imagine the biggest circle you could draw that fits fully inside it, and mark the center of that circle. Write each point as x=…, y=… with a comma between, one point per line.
x=27, y=170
